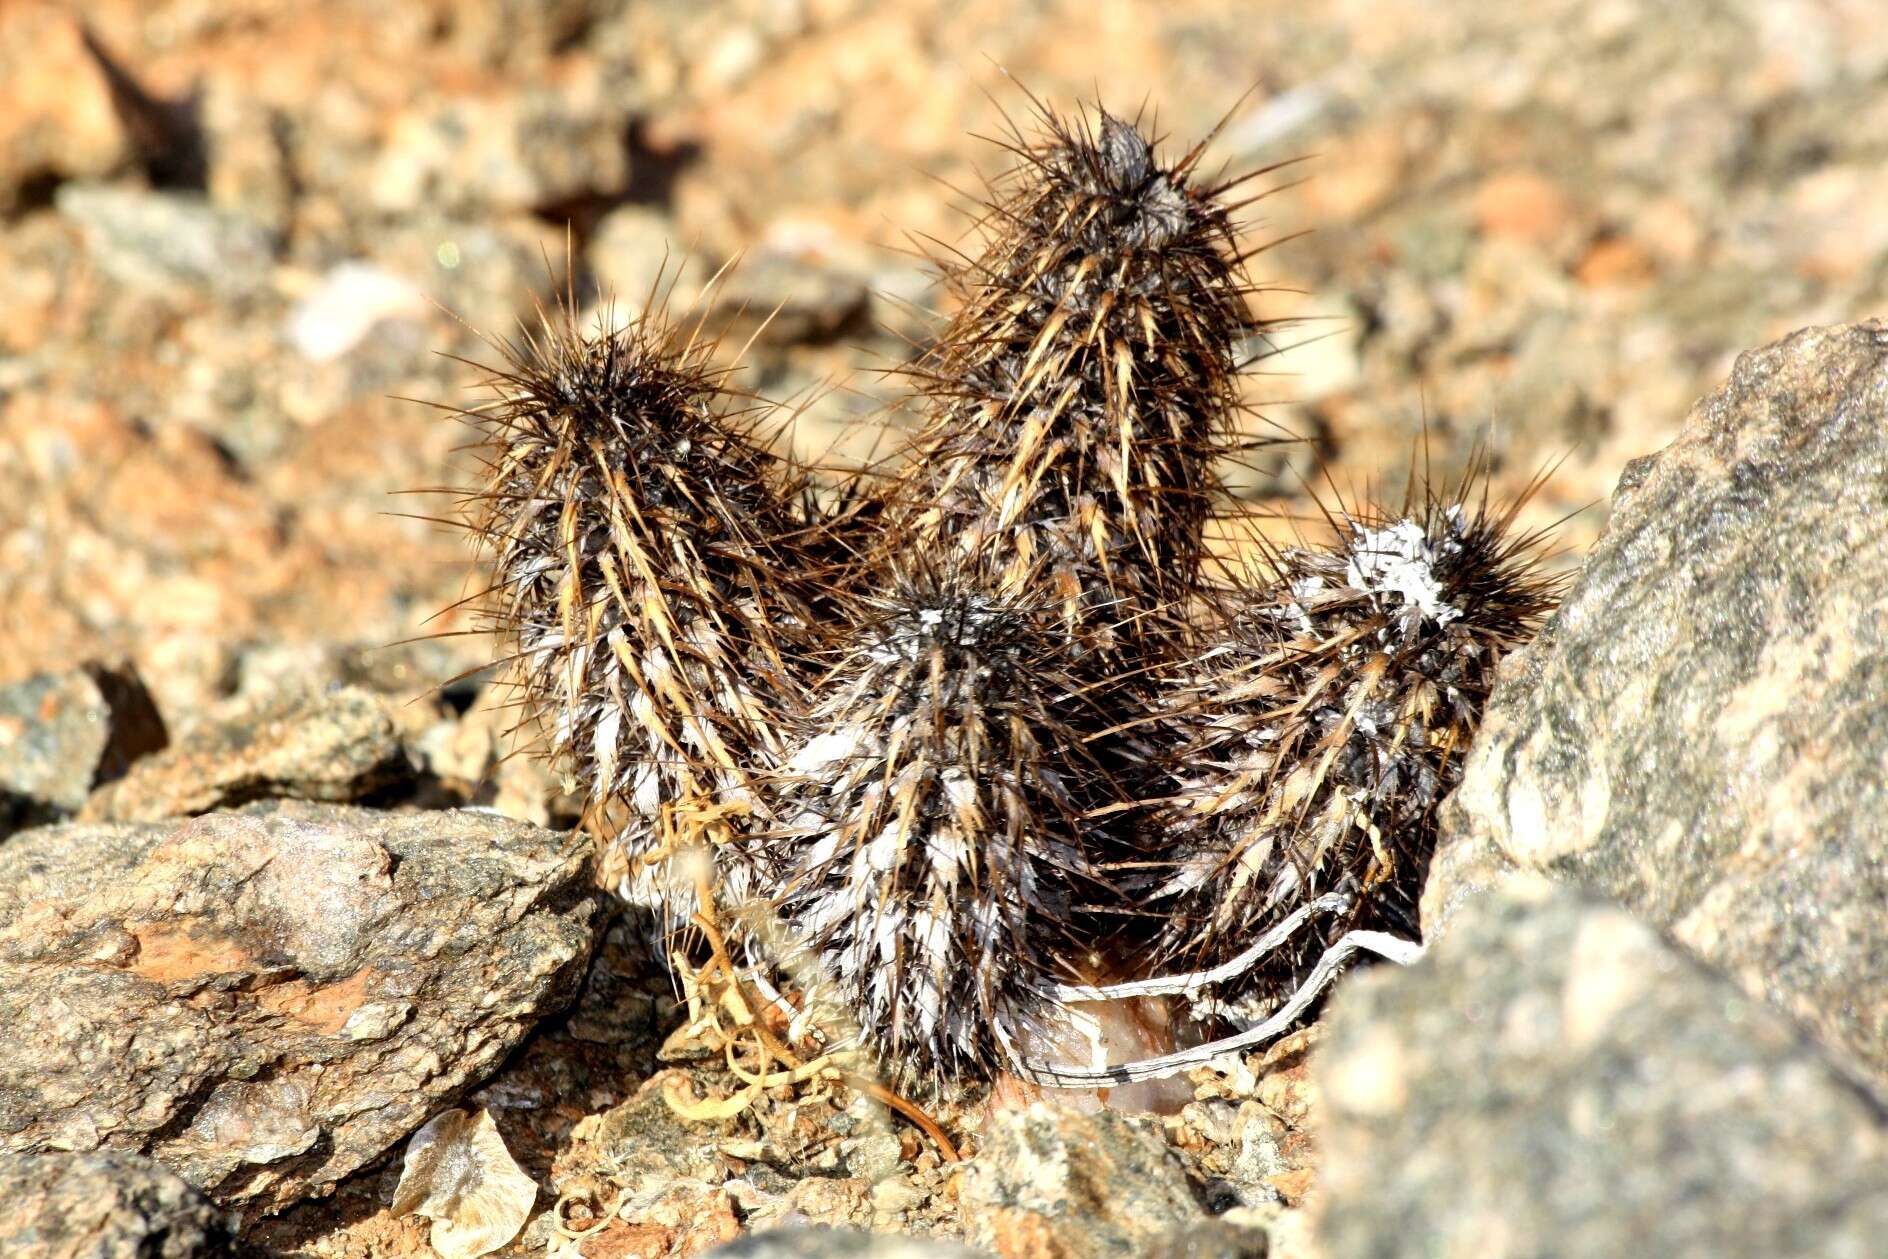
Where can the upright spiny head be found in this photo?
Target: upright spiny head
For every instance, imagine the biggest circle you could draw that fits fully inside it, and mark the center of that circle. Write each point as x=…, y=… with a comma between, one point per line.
x=642, y=542
x=1328, y=720
x=931, y=823
x=1087, y=385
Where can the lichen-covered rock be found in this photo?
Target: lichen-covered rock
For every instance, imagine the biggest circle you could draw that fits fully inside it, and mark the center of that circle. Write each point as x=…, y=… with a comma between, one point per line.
x=265, y=1001
x=61, y=734
x=1053, y=1183
x=1556, y=1079
x=104, y=1206
x=336, y=746
x=1702, y=730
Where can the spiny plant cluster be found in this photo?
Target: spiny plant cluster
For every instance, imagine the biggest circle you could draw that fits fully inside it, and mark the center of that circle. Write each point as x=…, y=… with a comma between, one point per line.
x=989, y=734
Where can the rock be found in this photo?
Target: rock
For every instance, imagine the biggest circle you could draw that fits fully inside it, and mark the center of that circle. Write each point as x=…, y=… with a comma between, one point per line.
x=339, y=746
x=525, y=146
x=104, y=1206
x=1702, y=730
x=249, y=165
x=1051, y=1183
x=838, y=1243
x=1288, y=1231
x=63, y=734
x=633, y=248
x=159, y=240
x=266, y=1001
x=59, y=122
x=797, y=301
x=486, y=268
x=1556, y=1079
x=412, y=680
x=1211, y=1239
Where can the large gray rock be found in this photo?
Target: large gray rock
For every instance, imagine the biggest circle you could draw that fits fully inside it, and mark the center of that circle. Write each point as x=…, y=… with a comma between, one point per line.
x=783, y=300
x=1702, y=730
x=1554, y=1079
x=528, y=145
x=103, y=1206
x=267, y=1001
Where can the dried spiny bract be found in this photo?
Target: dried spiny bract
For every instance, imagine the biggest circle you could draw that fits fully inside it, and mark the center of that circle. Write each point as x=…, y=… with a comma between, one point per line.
x=643, y=545
x=932, y=825
x=1313, y=741
x=1087, y=384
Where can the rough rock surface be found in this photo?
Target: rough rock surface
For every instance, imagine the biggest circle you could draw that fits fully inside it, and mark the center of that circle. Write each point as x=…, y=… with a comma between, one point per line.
x=1702, y=731
x=1051, y=1183
x=785, y=301
x=331, y=746
x=103, y=1205
x=62, y=734
x=266, y=1001
x=836, y=1243
x=1215, y=1239
x=1556, y=1079
x=1247, y=1133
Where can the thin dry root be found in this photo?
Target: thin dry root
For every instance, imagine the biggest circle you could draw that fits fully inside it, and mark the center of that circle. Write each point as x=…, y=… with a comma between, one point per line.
x=717, y=985
x=1382, y=943
x=929, y=1126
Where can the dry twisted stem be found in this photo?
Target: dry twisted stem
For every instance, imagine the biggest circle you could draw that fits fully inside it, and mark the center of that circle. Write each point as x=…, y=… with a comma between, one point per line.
x=718, y=984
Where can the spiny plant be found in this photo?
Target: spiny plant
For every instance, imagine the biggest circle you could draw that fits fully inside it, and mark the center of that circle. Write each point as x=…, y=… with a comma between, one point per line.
x=933, y=818
x=649, y=554
x=968, y=731
x=1309, y=746
x=1085, y=390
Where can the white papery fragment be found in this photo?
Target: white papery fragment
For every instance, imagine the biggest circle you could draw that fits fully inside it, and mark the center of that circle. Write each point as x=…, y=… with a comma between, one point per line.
x=459, y=1175
x=1401, y=560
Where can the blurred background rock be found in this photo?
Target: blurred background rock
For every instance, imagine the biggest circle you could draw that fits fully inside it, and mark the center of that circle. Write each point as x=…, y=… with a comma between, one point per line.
x=236, y=236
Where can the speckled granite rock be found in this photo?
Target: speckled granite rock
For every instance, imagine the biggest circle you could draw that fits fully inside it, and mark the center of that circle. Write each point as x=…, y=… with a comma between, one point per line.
x=524, y=145
x=306, y=745
x=1053, y=1183
x=1554, y=1079
x=266, y=1001
x=103, y=1206
x=62, y=734
x=1702, y=730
